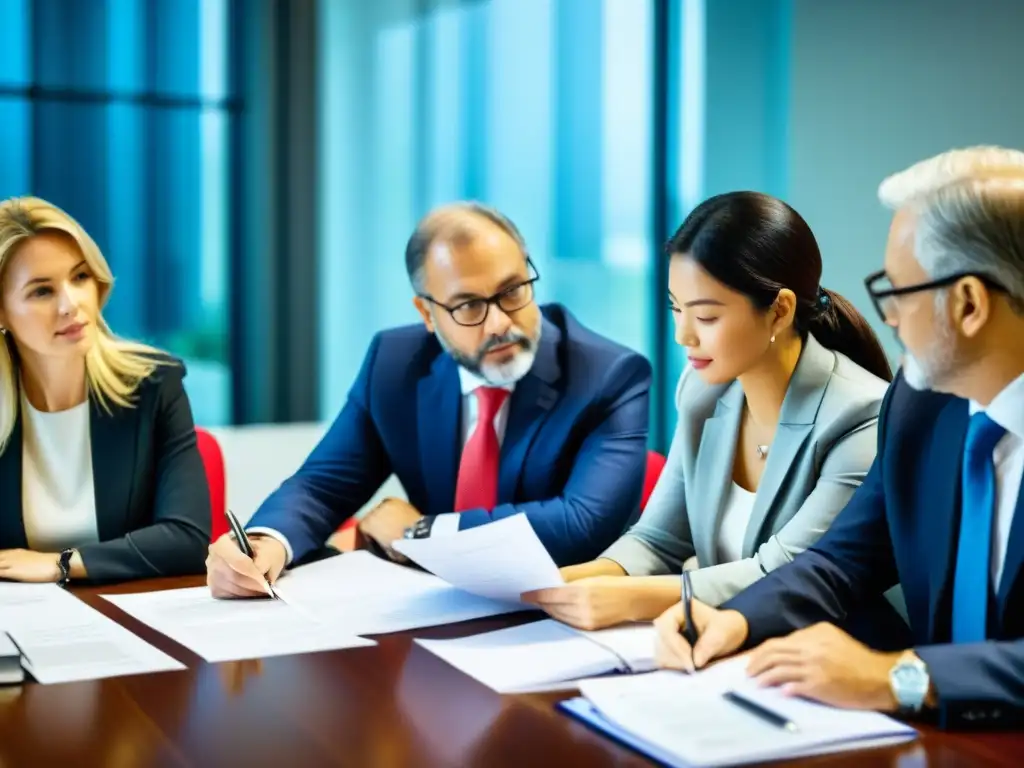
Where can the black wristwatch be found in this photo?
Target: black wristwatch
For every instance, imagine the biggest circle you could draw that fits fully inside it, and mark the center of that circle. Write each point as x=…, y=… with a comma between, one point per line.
x=64, y=563
x=420, y=529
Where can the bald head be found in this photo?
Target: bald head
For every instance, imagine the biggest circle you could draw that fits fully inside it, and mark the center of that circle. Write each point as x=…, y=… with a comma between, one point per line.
x=453, y=227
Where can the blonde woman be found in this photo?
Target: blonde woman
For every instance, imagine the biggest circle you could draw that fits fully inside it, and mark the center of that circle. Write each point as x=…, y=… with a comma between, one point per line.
x=100, y=476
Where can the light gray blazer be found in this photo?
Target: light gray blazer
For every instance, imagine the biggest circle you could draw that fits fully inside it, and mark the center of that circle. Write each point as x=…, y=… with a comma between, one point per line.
x=823, y=447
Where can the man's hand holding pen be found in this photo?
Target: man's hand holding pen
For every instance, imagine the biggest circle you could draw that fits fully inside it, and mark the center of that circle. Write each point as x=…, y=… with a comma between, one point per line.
x=820, y=662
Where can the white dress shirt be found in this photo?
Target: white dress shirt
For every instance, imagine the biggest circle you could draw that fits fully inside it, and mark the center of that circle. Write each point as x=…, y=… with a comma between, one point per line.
x=1006, y=410
x=447, y=523
x=58, y=499
x=739, y=505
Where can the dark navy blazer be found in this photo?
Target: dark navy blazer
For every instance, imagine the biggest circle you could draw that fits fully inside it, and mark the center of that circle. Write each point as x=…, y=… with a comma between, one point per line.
x=572, y=457
x=902, y=525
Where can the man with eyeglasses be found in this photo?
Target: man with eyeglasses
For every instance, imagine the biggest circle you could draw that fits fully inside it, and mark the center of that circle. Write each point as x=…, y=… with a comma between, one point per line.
x=493, y=406
x=942, y=511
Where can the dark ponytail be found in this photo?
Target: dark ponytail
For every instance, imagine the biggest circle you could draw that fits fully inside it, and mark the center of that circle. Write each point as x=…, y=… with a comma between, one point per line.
x=839, y=326
x=757, y=245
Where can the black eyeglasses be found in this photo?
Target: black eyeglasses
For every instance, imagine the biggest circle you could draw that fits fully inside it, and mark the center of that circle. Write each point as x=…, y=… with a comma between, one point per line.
x=475, y=311
x=883, y=293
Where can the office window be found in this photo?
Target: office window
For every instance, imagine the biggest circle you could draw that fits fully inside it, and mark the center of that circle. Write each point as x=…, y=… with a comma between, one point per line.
x=118, y=112
x=541, y=108
x=729, y=78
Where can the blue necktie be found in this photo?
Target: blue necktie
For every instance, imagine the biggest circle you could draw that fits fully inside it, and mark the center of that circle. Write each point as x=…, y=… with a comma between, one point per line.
x=970, y=585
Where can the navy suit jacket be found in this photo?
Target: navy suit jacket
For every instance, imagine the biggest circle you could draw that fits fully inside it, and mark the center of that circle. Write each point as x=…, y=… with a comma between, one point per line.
x=572, y=457
x=902, y=525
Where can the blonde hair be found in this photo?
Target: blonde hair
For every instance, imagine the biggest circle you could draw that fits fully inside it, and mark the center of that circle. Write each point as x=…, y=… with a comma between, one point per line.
x=114, y=367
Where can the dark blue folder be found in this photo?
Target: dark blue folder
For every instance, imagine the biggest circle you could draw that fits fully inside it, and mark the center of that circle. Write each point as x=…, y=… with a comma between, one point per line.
x=582, y=710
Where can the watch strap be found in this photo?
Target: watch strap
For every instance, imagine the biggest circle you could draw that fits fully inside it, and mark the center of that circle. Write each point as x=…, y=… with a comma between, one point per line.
x=64, y=564
x=910, y=682
x=421, y=528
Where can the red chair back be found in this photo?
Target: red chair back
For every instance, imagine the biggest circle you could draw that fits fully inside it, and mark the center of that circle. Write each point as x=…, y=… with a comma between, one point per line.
x=655, y=463
x=213, y=461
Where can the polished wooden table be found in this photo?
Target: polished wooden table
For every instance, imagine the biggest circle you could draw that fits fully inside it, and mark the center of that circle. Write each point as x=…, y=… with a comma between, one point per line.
x=391, y=705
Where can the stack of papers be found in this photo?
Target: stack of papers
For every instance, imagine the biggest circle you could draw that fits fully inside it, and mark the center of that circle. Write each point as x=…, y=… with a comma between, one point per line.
x=333, y=603
x=546, y=655
x=323, y=606
x=63, y=639
x=683, y=720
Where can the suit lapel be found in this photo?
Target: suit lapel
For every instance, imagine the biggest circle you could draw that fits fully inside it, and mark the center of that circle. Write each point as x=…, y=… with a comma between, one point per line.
x=712, y=476
x=114, y=437
x=12, y=526
x=1014, y=557
x=796, y=421
x=439, y=417
x=939, y=507
x=535, y=394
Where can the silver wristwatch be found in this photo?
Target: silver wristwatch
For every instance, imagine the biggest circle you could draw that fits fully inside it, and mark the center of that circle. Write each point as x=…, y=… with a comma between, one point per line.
x=910, y=681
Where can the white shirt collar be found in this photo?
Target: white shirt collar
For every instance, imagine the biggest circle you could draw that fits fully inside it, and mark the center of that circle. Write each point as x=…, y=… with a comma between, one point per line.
x=1007, y=408
x=471, y=382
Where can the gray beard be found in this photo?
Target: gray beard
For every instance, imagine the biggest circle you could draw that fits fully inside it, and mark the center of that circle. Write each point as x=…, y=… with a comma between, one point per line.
x=935, y=365
x=497, y=374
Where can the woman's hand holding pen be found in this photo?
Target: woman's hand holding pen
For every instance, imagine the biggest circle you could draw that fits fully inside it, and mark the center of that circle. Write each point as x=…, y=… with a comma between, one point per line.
x=720, y=633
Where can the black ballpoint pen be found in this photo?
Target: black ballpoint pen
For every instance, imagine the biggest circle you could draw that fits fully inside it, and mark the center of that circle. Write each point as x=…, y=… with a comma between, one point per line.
x=772, y=718
x=689, y=631
x=242, y=540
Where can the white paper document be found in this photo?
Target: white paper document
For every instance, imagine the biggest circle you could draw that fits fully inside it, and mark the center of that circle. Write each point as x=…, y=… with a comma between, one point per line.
x=685, y=720
x=500, y=560
x=230, y=630
x=546, y=655
x=327, y=605
x=367, y=596
x=63, y=639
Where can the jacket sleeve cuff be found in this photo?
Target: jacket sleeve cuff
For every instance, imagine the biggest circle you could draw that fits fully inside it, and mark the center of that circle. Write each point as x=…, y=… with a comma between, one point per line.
x=289, y=556
x=446, y=524
x=635, y=557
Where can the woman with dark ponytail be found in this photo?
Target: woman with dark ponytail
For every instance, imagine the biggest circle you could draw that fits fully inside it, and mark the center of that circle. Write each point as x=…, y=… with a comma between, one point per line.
x=777, y=418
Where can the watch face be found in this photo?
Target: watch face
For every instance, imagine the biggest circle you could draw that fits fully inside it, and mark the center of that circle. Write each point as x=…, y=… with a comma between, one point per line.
x=910, y=684
x=912, y=676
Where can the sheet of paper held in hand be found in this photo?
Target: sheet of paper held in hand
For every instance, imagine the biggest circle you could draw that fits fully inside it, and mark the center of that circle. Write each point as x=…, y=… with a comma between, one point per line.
x=500, y=560
x=686, y=720
x=366, y=595
x=64, y=640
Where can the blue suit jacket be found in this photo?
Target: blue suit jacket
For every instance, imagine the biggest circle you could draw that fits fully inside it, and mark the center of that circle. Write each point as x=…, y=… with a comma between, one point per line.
x=572, y=457
x=902, y=525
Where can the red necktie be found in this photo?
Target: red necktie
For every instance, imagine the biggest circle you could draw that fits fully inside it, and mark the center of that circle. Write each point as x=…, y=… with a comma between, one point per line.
x=478, y=471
